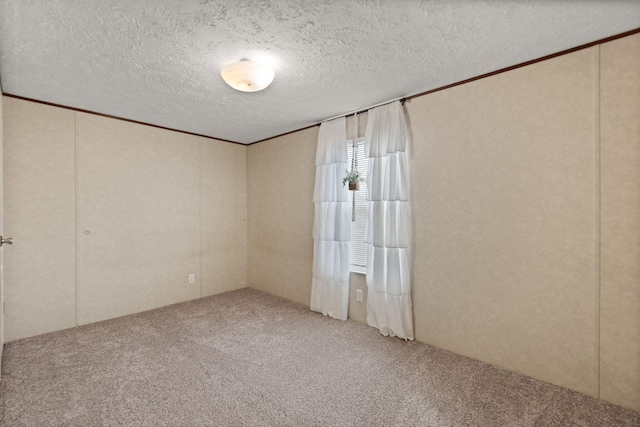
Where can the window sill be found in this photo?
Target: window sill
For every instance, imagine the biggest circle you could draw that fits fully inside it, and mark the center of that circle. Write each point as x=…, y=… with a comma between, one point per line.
x=358, y=269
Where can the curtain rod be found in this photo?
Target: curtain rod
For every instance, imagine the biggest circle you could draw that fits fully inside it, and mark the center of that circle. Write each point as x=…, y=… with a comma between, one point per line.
x=363, y=110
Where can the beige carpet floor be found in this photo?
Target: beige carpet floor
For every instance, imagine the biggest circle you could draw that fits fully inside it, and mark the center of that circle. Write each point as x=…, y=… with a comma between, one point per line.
x=246, y=358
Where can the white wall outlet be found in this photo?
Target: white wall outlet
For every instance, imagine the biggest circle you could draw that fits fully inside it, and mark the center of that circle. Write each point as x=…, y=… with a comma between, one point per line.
x=359, y=295
x=192, y=279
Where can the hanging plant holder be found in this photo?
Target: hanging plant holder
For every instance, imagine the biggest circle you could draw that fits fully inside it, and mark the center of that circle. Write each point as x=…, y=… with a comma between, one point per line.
x=354, y=179
x=353, y=176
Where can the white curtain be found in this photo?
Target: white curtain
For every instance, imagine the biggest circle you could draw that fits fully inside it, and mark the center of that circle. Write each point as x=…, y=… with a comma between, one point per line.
x=388, y=223
x=330, y=283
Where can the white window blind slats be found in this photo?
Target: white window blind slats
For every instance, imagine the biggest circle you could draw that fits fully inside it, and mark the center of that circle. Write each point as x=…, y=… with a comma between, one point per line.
x=358, y=247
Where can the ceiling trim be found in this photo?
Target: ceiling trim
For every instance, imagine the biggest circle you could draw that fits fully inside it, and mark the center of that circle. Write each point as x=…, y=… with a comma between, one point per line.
x=286, y=133
x=533, y=61
x=482, y=76
x=492, y=73
x=80, y=110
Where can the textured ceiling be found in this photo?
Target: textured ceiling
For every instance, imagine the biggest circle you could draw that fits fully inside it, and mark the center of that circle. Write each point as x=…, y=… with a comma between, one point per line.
x=158, y=61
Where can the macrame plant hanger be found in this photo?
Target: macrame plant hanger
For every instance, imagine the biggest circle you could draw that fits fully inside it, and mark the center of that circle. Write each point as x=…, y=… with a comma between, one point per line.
x=354, y=165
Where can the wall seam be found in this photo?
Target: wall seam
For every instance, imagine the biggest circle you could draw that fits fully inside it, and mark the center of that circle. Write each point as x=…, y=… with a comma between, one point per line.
x=200, y=147
x=258, y=253
x=246, y=217
x=261, y=226
x=252, y=263
x=76, y=211
x=598, y=217
x=253, y=255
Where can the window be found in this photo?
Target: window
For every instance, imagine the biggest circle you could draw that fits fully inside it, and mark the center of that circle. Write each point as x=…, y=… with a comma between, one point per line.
x=358, y=247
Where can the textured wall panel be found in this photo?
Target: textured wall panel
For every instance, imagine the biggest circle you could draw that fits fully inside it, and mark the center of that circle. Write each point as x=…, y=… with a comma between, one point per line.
x=39, y=213
x=620, y=165
x=223, y=216
x=144, y=198
x=254, y=201
x=504, y=202
x=138, y=217
x=357, y=310
x=281, y=180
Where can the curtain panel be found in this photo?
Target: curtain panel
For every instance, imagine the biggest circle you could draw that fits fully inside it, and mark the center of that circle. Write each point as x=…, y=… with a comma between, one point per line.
x=388, y=222
x=331, y=239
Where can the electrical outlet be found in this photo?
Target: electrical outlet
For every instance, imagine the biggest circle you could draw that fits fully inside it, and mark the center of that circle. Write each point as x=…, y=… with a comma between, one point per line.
x=359, y=295
x=192, y=279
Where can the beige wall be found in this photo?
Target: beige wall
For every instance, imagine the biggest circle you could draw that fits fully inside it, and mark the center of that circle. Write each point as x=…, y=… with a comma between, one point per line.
x=110, y=217
x=620, y=213
x=507, y=220
x=223, y=217
x=358, y=310
x=39, y=213
x=281, y=180
x=138, y=217
x=504, y=196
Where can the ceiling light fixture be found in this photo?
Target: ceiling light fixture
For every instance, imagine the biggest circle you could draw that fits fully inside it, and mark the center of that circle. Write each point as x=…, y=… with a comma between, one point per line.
x=247, y=76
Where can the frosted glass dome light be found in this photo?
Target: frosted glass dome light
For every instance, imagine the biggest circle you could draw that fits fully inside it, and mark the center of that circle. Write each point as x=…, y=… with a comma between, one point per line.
x=247, y=76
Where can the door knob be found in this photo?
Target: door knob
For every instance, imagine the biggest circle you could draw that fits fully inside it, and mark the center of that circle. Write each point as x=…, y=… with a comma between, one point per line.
x=7, y=241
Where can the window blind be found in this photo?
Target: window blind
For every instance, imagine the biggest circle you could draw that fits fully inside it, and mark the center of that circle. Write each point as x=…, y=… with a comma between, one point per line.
x=358, y=247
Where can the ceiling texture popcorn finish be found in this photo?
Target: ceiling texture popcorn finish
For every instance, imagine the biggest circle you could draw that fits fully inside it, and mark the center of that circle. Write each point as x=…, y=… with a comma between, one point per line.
x=159, y=61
